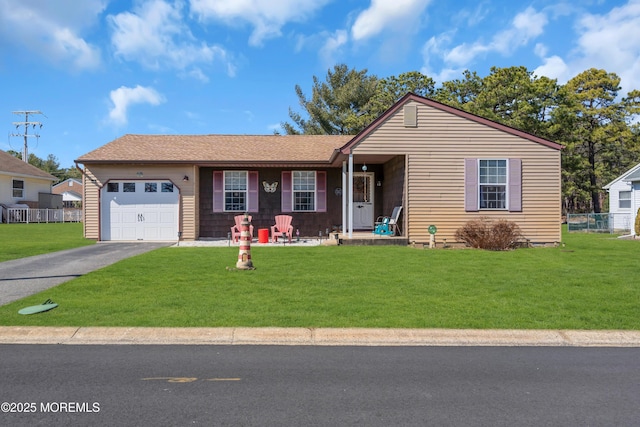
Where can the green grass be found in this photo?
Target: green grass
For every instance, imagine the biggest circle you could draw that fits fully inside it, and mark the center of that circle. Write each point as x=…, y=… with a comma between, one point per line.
x=589, y=284
x=23, y=240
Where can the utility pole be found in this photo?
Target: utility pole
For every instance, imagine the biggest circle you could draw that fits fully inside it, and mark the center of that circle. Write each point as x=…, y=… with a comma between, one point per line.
x=25, y=135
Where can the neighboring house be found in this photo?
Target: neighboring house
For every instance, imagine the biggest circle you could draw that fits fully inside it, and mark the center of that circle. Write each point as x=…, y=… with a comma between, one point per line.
x=444, y=166
x=71, y=191
x=624, y=199
x=22, y=183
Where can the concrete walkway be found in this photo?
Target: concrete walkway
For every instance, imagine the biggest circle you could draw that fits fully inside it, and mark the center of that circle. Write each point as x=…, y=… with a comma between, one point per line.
x=317, y=337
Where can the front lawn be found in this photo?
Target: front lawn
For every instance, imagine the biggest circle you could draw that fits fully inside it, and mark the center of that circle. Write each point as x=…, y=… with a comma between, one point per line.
x=588, y=284
x=23, y=240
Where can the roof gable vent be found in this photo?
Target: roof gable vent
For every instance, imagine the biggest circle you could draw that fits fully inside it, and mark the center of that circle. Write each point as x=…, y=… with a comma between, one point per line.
x=410, y=116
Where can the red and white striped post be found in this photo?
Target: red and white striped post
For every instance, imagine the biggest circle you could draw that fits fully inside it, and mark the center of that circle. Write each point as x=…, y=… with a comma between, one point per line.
x=244, y=255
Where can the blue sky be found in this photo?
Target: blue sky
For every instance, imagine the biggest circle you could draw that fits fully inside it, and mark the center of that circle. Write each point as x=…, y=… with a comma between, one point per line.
x=100, y=69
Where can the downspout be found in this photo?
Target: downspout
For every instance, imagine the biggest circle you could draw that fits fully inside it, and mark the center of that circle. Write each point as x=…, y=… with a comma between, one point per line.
x=84, y=200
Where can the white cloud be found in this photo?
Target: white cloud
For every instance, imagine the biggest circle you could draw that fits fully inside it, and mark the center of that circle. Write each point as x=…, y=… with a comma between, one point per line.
x=156, y=35
x=540, y=50
x=382, y=15
x=474, y=17
x=554, y=67
x=435, y=47
x=333, y=43
x=611, y=42
x=53, y=29
x=82, y=55
x=525, y=26
x=608, y=41
x=266, y=16
x=123, y=97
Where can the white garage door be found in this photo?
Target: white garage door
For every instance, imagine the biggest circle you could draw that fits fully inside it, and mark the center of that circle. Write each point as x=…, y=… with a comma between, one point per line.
x=140, y=210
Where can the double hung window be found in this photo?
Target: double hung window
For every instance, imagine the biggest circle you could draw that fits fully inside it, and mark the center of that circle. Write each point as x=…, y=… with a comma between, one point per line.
x=624, y=200
x=18, y=188
x=235, y=191
x=493, y=184
x=304, y=190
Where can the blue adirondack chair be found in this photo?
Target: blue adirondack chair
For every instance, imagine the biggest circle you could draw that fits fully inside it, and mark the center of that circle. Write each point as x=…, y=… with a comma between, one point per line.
x=388, y=225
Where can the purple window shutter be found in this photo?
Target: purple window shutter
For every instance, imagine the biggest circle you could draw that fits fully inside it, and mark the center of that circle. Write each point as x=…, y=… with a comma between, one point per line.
x=321, y=191
x=254, y=191
x=218, y=191
x=287, y=192
x=471, y=185
x=515, y=185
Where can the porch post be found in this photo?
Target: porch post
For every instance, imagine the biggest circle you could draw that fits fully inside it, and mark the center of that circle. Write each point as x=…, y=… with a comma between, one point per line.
x=344, y=197
x=350, y=199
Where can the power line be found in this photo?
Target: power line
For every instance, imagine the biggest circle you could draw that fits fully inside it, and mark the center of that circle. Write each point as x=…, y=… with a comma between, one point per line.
x=26, y=123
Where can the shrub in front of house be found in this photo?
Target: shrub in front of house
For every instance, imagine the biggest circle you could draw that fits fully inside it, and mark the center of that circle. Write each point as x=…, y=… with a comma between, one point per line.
x=636, y=229
x=494, y=235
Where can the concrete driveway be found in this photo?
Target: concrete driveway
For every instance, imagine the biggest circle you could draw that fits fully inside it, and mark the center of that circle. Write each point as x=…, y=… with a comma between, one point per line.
x=26, y=276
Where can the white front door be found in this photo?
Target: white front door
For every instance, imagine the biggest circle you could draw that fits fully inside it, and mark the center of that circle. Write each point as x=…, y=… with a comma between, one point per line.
x=140, y=210
x=363, y=200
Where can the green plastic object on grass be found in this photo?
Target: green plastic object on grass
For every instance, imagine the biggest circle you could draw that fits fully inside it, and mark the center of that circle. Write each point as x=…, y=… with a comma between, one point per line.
x=45, y=306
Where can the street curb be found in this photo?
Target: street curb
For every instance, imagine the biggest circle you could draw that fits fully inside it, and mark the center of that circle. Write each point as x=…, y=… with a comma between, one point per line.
x=316, y=336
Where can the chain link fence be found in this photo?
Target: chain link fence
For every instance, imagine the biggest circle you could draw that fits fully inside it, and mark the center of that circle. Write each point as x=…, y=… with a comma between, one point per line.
x=599, y=223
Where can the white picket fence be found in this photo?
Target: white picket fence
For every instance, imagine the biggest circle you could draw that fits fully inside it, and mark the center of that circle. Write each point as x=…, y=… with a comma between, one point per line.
x=28, y=215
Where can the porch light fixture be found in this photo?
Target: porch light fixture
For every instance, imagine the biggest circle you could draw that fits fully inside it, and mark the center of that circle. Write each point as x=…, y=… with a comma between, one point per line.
x=379, y=183
x=186, y=178
x=364, y=168
x=139, y=174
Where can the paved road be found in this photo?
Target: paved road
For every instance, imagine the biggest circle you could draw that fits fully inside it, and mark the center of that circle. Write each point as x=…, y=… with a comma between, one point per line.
x=319, y=386
x=23, y=277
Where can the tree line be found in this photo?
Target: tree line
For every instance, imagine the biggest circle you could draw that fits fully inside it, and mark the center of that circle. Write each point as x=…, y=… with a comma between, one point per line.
x=50, y=165
x=599, y=129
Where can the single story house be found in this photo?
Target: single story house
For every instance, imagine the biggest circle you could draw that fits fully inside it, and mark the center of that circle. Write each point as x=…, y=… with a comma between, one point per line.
x=444, y=166
x=624, y=200
x=71, y=191
x=22, y=183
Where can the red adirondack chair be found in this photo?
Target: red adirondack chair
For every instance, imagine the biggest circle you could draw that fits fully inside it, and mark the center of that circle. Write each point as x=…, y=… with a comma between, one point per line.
x=237, y=228
x=283, y=226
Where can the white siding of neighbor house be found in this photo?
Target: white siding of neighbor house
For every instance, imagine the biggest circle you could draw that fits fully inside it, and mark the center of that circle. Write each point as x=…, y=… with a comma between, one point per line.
x=32, y=187
x=622, y=217
x=96, y=176
x=435, y=151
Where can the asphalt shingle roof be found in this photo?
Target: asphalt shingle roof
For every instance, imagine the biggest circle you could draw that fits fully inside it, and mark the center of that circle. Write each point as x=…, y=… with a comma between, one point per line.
x=12, y=165
x=218, y=148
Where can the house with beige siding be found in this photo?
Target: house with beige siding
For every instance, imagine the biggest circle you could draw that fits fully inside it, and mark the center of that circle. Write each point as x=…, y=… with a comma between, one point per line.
x=444, y=166
x=21, y=183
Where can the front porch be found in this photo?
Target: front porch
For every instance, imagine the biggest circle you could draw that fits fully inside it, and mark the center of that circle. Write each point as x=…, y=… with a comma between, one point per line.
x=366, y=238
x=374, y=184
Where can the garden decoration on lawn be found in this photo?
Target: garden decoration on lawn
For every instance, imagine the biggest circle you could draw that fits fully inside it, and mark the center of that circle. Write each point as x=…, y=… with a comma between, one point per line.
x=244, y=254
x=45, y=306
